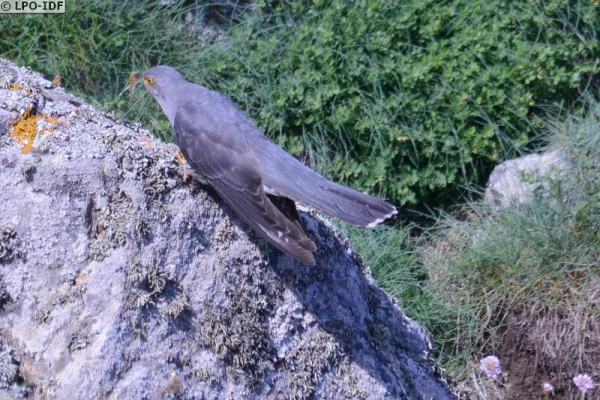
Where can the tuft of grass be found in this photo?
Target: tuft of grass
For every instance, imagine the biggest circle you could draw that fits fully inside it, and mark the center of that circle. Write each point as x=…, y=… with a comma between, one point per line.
x=392, y=254
x=522, y=283
x=389, y=252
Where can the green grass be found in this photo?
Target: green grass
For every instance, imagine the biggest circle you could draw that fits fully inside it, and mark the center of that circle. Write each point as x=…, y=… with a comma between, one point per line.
x=522, y=283
x=414, y=101
x=96, y=44
x=393, y=254
x=505, y=271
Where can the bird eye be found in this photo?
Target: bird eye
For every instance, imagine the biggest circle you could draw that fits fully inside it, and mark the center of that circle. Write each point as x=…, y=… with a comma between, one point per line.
x=150, y=80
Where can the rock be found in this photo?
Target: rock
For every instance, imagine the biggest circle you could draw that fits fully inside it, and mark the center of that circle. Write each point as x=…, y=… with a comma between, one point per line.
x=120, y=280
x=514, y=182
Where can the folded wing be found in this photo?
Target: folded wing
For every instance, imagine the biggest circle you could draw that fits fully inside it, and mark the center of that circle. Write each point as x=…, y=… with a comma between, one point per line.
x=225, y=157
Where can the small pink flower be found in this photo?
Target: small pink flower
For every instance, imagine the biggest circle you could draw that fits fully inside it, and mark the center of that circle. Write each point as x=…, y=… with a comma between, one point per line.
x=491, y=366
x=583, y=382
x=547, y=387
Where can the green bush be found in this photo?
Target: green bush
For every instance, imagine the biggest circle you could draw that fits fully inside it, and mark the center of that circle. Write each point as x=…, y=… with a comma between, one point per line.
x=412, y=100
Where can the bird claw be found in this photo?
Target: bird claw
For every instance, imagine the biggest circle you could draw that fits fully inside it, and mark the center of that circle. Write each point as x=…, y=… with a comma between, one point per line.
x=183, y=163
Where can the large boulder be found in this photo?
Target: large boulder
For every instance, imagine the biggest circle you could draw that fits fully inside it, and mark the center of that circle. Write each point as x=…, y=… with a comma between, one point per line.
x=118, y=279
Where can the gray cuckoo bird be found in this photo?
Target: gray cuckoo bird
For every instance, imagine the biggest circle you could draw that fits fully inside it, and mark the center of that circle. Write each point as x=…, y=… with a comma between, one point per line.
x=258, y=179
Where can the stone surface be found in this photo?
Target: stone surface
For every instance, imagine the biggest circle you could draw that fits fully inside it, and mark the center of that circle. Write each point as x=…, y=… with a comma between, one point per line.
x=120, y=280
x=514, y=182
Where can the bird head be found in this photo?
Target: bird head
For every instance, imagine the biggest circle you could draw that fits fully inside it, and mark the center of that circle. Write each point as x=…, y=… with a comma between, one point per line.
x=164, y=83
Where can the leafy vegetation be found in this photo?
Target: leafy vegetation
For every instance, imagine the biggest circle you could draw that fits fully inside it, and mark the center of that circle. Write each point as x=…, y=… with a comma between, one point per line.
x=521, y=283
x=96, y=44
x=413, y=100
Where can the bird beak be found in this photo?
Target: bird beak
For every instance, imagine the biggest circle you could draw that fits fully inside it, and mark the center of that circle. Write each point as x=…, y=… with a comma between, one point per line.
x=145, y=80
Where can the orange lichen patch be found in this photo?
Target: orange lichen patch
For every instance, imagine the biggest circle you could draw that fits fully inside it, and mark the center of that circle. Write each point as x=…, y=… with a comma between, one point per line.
x=183, y=163
x=26, y=128
x=19, y=87
x=57, y=81
x=146, y=140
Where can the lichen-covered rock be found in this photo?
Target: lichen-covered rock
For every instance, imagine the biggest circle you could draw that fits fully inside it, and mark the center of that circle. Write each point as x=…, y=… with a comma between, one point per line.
x=120, y=280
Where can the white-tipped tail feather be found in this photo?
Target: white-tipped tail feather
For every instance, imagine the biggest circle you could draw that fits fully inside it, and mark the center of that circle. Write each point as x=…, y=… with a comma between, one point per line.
x=380, y=220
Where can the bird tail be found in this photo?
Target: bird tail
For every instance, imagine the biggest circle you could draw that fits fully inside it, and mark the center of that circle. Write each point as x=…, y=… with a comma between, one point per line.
x=347, y=204
x=283, y=175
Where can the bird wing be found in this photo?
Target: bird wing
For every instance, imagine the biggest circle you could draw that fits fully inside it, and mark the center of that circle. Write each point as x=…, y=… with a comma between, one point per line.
x=218, y=149
x=283, y=175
